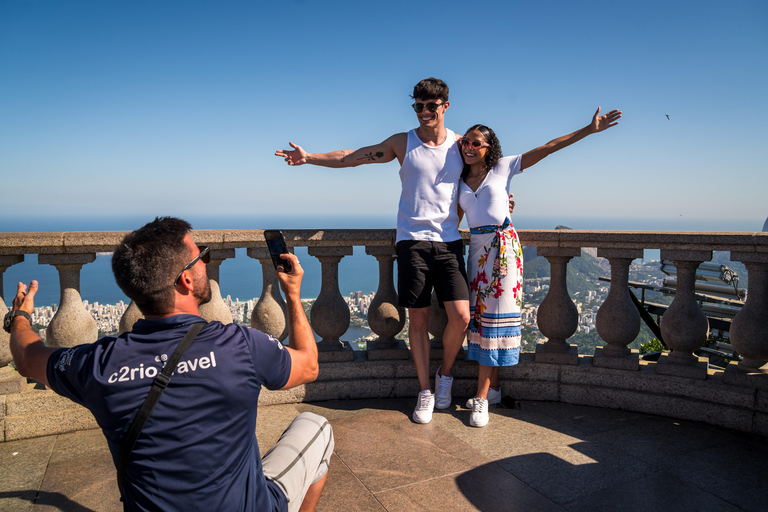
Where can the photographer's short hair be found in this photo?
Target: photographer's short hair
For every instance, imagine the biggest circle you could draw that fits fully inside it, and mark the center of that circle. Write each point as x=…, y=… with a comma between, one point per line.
x=430, y=89
x=148, y=260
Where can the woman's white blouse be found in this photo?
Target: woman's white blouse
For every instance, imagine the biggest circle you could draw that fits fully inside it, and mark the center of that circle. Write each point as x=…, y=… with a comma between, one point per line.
x=489, y=204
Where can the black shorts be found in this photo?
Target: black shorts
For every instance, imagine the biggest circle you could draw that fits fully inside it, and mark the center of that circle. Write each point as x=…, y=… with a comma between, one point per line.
x=423, y=265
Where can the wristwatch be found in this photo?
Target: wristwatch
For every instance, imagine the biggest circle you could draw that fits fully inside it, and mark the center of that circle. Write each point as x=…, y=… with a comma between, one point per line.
x=11, y=315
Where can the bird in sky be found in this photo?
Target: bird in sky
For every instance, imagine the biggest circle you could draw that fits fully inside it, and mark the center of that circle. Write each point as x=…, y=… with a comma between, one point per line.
x=667, y=116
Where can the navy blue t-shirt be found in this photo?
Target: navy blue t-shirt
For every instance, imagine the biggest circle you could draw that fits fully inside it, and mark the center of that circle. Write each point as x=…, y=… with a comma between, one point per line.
x=198, y=449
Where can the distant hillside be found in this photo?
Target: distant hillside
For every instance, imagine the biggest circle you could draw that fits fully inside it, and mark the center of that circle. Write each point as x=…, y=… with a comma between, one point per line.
x=583, y=272
x=588, y=268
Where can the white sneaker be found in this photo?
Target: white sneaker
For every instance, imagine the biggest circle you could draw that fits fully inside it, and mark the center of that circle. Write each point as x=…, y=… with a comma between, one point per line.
x=494, y=397
x=424, y=407
x=479, y=416
x=443, y=390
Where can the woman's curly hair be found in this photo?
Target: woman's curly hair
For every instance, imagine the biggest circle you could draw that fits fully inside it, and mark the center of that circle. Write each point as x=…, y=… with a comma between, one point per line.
x=492, y=154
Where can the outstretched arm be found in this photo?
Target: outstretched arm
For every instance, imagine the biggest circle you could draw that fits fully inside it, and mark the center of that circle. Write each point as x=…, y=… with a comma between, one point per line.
x=393, y=147
x=30, y=354
x=598, y=124
x=301, y=341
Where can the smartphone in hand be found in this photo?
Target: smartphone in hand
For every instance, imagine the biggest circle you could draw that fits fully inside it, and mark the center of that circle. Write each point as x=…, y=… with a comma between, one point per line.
x=276, y=244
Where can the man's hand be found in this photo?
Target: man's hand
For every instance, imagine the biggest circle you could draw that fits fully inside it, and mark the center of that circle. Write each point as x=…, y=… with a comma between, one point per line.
x=25, y=299
x=290, y=283
x=511, y=203
x=296, y=157
x=29, y=352
x=600, y=123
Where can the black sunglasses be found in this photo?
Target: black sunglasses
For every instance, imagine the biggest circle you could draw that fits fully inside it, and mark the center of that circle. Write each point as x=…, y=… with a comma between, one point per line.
x=204, y=255
x=432, y=107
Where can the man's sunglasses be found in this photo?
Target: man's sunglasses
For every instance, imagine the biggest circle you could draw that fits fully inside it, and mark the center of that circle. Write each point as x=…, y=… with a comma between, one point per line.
x=432, y=107
x=474, y=143
x=204, y=255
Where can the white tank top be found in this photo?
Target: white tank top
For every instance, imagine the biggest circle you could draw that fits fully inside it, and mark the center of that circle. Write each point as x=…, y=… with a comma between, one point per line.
x=430, y=177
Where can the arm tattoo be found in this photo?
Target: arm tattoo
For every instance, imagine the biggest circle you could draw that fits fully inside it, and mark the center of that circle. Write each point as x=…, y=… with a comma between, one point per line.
x=343, y=155
x=372, y=156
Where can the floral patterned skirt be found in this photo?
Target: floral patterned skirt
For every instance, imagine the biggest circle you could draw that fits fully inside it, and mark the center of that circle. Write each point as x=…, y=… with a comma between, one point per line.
x=495, y=269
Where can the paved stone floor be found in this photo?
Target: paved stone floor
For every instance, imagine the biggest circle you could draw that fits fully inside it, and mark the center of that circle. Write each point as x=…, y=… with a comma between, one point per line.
x=541, y=457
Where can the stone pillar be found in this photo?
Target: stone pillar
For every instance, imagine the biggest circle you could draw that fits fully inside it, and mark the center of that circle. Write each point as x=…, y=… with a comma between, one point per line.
x=684, y=325
x=438, y=321
x=5, y=350
x=216, y=309
x=131, y=315
x=557, y=317
x=269, y=314
x=71, y=325
x=749, y=329
x=329, y=315
x=385, y=317
x=618, y=321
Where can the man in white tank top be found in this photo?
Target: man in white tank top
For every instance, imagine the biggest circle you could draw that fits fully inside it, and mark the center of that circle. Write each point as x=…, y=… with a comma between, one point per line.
x=429, y=245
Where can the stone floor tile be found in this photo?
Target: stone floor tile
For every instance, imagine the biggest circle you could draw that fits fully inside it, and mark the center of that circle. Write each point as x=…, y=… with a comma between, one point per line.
x=80, y=476
x=83, y=484
x=506, y=435
x=23, y=466
x=659, y=492
x=344, y=491
x=386, y=449
x=486, y=488
x=580, y=420
x=657, y=439
x=722, y=471
x=566, y=472
x=271, y=422
x=343, y=408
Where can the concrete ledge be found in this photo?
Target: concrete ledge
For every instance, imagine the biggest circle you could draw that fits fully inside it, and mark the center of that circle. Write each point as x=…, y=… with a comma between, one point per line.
x=11, y=381
x=37, y=402
x=46, y=424
x=673, y=406
x=629, y=363
x=399, y=352
x=697, y=370
x=760, y=424
x=735, y=375
x=571, y=356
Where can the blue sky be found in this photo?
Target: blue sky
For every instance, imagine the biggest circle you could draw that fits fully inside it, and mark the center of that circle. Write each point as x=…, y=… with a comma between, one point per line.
x=176, y=108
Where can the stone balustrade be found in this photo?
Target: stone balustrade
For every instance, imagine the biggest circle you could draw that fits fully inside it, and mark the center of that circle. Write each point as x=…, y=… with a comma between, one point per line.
x=680, y=382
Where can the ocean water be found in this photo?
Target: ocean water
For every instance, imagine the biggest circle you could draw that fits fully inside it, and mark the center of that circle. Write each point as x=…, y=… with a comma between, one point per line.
x=240, y=277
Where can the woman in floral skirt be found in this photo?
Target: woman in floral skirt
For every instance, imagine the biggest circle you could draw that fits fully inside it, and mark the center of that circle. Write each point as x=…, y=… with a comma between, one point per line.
x=495, y=264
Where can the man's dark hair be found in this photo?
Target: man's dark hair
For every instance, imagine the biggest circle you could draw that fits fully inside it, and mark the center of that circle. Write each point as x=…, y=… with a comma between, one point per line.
x=430, y=89
x=492, y=154
x=147, y=261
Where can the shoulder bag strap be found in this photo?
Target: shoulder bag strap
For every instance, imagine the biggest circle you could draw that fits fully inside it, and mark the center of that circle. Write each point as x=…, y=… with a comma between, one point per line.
x=158, y=386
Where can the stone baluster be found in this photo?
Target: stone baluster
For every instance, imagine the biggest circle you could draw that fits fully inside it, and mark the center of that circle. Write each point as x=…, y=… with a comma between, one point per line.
x=329, y=315
x=436, y=324
x=385, y=317
x=749, y=329
x=618, y=321
x=72, y=324
x=5, y=350
x=269, y=314
x=216, y=309
x=557, y=317
x=684, y=325
x=131, y=315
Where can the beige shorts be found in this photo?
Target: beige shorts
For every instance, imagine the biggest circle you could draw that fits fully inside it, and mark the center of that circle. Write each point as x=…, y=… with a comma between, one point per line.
x=300, y=457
